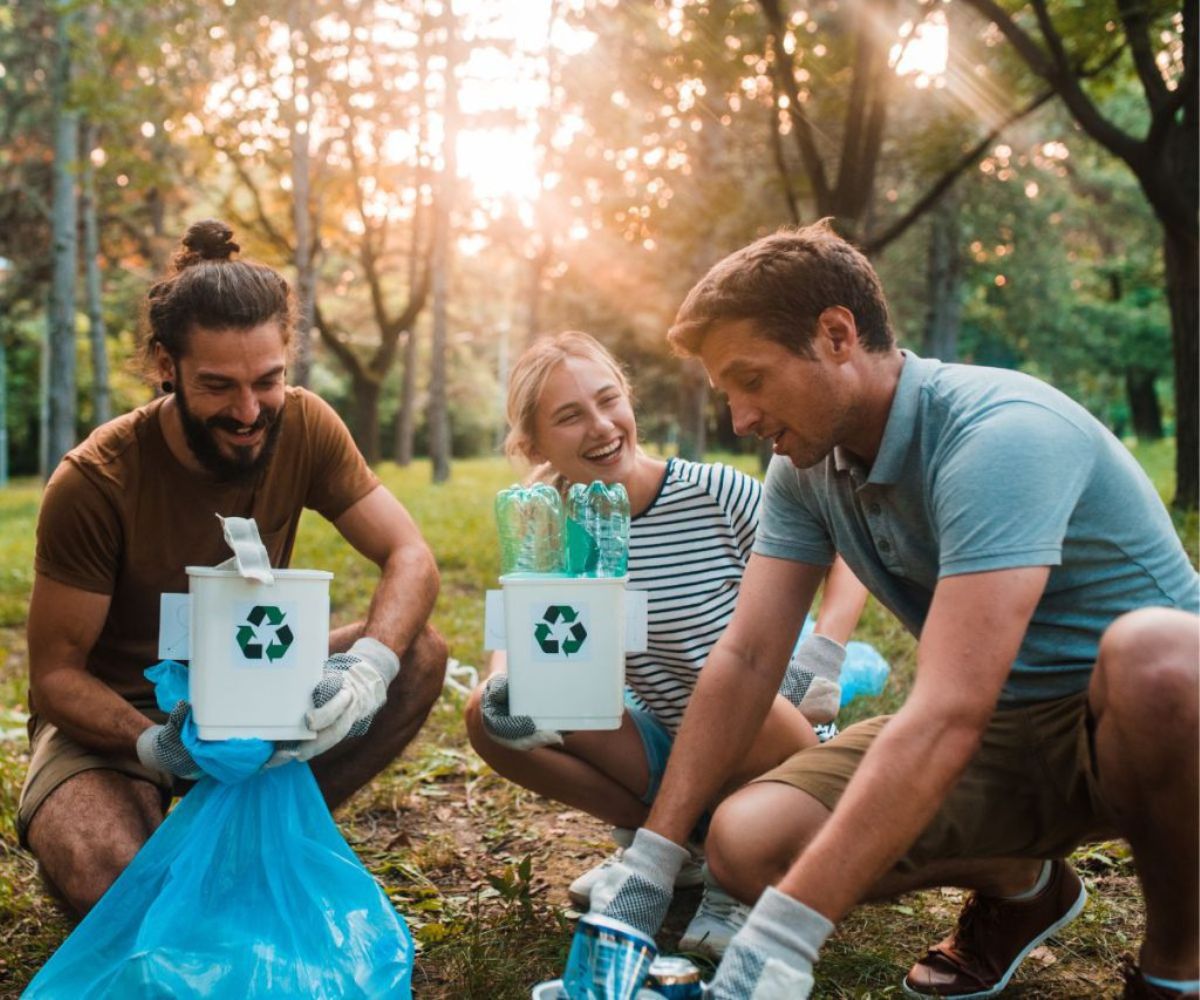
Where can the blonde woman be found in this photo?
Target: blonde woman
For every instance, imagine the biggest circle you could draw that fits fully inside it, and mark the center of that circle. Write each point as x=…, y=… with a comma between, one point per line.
x=570, y=410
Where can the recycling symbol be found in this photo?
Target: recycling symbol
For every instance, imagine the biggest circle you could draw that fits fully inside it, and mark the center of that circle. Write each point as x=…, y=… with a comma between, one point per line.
x=559, y=629
x=278, y=635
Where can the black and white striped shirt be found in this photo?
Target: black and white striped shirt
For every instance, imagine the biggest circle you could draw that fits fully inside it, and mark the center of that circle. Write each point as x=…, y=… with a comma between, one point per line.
x=689, y=550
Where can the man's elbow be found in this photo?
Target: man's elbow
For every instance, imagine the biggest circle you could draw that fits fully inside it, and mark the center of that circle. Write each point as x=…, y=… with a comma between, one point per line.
x=414, y=564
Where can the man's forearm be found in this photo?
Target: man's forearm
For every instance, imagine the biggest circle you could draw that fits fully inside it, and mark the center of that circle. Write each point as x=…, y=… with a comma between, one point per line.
x=725, y=713
x=402, y=603
x=89, y=711
x=897, y=790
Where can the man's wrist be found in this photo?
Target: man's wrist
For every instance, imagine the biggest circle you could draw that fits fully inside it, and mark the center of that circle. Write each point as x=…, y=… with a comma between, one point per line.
x=381, y=657
x=784, y=927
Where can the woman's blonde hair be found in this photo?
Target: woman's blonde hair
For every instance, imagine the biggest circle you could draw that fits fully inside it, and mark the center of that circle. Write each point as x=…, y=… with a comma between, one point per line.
x=528, y=379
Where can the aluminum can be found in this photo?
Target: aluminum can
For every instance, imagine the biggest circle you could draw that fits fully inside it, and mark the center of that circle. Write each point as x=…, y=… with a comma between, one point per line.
x=609, y=960
x=675, y=978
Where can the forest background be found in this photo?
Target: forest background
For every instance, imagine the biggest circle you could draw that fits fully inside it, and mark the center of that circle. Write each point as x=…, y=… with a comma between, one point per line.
x=445, y=181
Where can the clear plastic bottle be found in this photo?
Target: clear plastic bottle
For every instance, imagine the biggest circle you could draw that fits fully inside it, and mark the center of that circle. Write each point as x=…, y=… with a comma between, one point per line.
x=597, y=530
x=530, y=522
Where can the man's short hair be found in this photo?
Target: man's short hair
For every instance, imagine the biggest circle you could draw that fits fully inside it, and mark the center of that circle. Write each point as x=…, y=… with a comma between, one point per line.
x=782, y=283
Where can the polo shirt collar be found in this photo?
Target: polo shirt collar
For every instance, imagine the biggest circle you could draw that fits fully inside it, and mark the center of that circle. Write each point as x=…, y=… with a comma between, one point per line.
x=901, y=423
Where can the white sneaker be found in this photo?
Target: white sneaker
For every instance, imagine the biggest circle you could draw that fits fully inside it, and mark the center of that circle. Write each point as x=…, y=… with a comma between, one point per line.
x=580, y=891
x=719, y=917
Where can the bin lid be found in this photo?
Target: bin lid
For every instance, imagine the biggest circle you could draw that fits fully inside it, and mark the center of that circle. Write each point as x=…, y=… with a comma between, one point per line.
x=280, y=574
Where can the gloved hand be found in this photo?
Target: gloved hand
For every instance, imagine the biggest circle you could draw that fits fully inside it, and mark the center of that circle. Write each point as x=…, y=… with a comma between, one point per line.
x=772, y=956
x=161, y=747
x=638, y=888
x=518, y=732
x=352, y=689
x=811, y=681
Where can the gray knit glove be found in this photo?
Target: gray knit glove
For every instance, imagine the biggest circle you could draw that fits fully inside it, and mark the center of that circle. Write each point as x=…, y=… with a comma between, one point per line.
x=517, y=732
x=161, y=747
x=638, y=888
x=811, y=681
x=772, y=956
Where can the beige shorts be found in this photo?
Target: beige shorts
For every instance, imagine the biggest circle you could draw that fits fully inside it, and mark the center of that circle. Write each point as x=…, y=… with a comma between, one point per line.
x=55, y=758
x=1031, y=790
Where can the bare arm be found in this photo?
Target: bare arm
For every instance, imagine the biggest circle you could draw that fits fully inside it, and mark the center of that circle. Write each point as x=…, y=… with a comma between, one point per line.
x=975, y=626
x=737, y=685
x=381, y=529
x=64, y=624
x=842, y=602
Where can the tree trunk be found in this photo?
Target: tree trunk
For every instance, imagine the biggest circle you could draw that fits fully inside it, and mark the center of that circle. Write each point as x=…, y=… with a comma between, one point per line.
x=365, y=416
x=298, y=20
x=439, y=417
x=60, y=332
x=693, y=405
x=101, y=404
x=943, y=316
x=405, y=422
x=1144, y=411
x=1182, y=291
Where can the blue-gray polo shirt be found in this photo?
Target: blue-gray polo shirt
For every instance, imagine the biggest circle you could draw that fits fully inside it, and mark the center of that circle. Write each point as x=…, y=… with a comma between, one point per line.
x=985, y=469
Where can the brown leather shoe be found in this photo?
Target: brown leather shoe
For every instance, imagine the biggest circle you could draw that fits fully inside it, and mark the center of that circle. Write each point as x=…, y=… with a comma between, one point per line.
x=993, y=937
x=1138, y=988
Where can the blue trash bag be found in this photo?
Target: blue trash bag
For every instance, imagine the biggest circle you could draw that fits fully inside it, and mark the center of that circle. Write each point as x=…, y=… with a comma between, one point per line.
x=864, y=672
x=247, y=890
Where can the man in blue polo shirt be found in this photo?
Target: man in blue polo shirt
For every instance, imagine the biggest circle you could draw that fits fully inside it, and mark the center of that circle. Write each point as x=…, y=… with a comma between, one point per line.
x=1055, y=698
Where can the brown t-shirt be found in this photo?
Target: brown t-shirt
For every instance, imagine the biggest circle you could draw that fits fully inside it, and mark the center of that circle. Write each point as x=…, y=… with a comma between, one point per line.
x=122, y=516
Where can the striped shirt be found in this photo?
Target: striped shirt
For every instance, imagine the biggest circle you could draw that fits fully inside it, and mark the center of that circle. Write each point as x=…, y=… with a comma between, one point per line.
x=688, y=549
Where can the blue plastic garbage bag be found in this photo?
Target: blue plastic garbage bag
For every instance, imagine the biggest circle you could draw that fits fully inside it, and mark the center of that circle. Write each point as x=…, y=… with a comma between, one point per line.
x=247, y=890
x=864, y=671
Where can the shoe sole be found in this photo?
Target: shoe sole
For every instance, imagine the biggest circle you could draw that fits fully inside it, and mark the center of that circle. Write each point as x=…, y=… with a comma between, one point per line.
x=1066, y=918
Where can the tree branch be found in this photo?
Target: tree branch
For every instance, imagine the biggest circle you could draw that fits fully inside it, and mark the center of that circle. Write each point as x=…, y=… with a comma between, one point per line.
x=876, y=243
x=341, y=350
x=266, y=226
x=1062, y=79
x=1137, y=33
x=786, y=76
x=781, y=165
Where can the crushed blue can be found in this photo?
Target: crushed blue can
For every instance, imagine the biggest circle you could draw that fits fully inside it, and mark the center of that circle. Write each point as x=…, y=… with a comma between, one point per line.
x=609, y=960
x=552, y=989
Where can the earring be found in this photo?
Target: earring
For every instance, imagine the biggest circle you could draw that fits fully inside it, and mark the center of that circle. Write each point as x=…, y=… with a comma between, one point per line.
x=167, y=386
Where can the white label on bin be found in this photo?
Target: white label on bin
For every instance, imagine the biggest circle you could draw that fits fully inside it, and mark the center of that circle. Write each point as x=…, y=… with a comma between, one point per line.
x=262, y=635
x=174, y=626
x=559, y=632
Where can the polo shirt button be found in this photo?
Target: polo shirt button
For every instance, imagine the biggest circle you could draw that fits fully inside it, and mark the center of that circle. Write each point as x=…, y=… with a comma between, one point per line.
x=875, y=509
x=885, y=545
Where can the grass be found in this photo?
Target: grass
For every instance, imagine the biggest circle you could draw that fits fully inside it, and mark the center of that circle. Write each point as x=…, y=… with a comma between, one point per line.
x=477, y=866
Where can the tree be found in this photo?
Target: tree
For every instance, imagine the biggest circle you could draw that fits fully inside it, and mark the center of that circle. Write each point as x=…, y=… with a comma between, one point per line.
x=1165, y=160
x=60, y=320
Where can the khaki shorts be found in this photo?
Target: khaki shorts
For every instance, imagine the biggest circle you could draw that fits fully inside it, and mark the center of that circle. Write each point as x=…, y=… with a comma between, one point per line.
x=55, y=758
x=1031, y=790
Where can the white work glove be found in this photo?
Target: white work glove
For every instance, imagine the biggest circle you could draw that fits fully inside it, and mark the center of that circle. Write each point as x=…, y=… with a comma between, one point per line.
x=352, y=689
x=811, y=681
x=638, y=888
x=772, y=956
x=517, y=732
x=161, y=747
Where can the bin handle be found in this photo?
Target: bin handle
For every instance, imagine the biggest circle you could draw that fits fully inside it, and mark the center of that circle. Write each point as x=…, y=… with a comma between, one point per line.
x=250, y=557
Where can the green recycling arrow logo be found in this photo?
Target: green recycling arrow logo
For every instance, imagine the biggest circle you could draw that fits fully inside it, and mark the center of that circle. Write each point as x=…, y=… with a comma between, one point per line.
x=560, y=630
x=264, y=621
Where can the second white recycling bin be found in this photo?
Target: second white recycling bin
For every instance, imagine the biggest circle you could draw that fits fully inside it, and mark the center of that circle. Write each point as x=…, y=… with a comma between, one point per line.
x=565, y=643
x=257, y=651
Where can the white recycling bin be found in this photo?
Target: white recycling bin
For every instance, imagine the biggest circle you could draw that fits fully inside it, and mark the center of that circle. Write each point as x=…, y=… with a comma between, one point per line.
x=257, y=651
x=565, y=642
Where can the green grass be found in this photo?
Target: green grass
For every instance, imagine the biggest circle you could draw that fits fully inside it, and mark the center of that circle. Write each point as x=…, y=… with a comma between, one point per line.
x=478, y=866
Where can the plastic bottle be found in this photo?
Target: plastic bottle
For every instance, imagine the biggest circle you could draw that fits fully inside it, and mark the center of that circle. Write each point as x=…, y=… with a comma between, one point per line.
x=597, y=530
x=530, y=522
